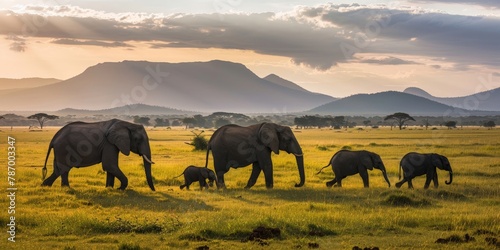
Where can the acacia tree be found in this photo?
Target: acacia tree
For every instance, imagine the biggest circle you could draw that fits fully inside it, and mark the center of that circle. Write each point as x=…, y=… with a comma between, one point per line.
x=400, y=118
x=42, y=118
x=489, y=124
x=451, y=124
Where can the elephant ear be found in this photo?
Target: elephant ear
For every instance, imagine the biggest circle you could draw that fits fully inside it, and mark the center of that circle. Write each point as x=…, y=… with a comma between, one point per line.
x=119, y=135
x=437, y=161
x=204, y=173
x=269, y=137
x=368, y=161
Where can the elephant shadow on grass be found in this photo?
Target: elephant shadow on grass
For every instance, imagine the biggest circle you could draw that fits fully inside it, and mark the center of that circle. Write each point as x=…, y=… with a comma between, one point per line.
x=290, y=195
x=135, y=200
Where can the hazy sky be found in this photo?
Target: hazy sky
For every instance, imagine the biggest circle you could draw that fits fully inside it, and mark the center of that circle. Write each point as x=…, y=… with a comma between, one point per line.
x=446, y=47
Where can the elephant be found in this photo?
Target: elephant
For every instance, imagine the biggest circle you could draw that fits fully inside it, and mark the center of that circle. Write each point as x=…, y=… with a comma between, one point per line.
x=81, y=144
x=346, y=162
x=416, y=164
x=200, y=174
x=235, y=146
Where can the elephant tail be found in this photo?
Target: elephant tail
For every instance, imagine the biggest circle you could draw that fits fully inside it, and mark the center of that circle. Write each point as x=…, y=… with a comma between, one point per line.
x=179, y=175
x=44, y=169
x=400, y=171
x=323, y=168
x=208, y=152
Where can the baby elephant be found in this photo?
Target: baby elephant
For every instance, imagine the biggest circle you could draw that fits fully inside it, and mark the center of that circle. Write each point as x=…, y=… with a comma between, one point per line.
x=416, y=164
x=345, y=163
x=200, y=174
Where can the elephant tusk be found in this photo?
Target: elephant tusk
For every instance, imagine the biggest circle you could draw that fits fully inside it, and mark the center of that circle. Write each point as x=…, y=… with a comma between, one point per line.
x=298, y=155
x=147, y=159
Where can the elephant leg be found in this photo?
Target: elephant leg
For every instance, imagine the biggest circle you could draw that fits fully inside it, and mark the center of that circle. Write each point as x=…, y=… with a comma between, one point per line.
x=428, y=179
x=110, y=165
x=255, y=174
x=339, y=182
x=110, y=180
x=220, y=180
x=182, y=186
x=65, y=179
x=50, y=180
x=331, y=183
x=410, y=184
x=268, y=174
x=203, y=184
x=119, y=174
x=435, y=179
x=399, y=184
x=364, y=176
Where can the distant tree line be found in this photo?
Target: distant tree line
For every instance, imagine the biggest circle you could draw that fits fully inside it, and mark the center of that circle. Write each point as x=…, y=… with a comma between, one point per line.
x=219, y=119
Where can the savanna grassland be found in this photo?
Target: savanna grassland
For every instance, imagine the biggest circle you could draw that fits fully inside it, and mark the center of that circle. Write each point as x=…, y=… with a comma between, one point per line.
x=90, y=216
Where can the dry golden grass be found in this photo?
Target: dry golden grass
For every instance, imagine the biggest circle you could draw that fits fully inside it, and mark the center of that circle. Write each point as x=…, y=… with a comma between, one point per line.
x=89, y=216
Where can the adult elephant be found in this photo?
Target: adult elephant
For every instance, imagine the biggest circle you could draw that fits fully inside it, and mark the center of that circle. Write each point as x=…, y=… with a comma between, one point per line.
x=346, y=162
x=81, y=144
x=416, y=164
x=234, y=146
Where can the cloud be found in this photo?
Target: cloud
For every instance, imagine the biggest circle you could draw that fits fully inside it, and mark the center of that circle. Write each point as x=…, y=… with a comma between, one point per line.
x=91, y=43
x=319, y=37
x=387, y=61
x=485, y=3
x=18, y=44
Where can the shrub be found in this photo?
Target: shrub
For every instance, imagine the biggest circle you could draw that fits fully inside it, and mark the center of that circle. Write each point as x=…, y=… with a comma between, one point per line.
x=199, y=141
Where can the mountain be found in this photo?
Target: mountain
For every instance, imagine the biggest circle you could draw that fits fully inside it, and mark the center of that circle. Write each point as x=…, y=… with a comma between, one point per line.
x=385, y=103
x=199, y=86
x=23, y=83
x=134, y=109
x=486, y=100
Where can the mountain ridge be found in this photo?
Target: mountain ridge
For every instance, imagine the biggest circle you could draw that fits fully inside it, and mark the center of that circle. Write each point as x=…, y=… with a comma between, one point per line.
x=488, y=100
x=388, y=102
x=203, y=86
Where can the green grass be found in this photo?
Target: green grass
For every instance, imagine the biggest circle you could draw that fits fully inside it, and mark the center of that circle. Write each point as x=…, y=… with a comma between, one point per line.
x=90, y=216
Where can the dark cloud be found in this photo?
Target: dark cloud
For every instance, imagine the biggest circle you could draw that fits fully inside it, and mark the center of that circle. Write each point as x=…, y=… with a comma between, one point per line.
x=91, y=43
x=319, y=37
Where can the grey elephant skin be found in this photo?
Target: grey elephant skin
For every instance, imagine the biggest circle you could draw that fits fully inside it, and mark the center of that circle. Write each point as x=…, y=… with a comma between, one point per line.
x=199, y=174
x=416, y=164
x=81, y=144
x=234, y=146
x=345, y=163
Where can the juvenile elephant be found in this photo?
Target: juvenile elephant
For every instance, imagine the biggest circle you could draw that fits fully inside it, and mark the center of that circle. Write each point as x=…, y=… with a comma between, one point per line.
x=415, y=164
x=234, y=146
x=345, y=163
x=200, y=174
x=81, y=144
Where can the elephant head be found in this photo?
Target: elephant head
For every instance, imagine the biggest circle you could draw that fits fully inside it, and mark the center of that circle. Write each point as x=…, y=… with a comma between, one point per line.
x=129, y=137
x=442, y=163
x=210, y=175
x=374, y=161
x=276, y=138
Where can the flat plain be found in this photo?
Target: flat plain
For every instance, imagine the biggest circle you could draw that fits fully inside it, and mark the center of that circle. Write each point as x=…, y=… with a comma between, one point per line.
x=464, y=215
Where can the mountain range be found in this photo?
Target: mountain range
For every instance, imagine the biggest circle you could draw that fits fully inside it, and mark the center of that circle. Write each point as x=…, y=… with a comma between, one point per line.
x=141, y=87
x=486, y=100
x=199, y=86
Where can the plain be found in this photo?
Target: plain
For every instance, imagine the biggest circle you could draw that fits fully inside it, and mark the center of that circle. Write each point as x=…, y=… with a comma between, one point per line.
x=90, y=216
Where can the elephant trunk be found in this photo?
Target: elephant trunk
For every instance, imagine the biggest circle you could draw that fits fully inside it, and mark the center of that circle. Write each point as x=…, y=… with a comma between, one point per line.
x=451, y=179
x=147, y=169
x=300, y=166
x=385, y=177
